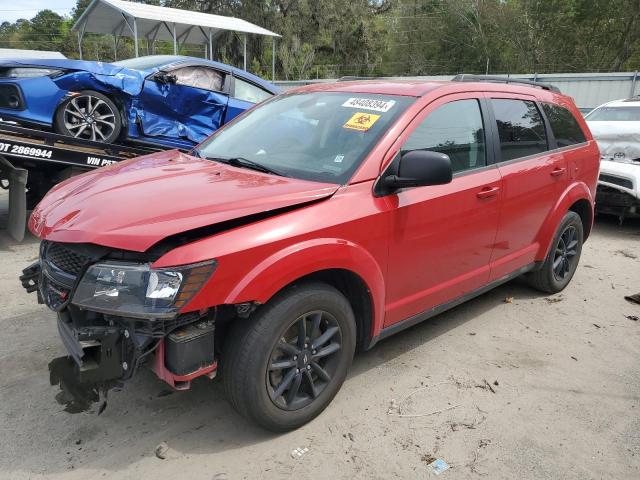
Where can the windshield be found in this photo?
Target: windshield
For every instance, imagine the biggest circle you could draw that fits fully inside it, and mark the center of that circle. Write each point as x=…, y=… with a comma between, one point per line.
x=320, y=136
x=615, y=114
x=145, y=63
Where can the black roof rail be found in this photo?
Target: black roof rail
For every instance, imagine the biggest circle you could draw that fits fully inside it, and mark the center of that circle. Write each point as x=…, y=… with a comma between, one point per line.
x=353, y=78
x=490, y=78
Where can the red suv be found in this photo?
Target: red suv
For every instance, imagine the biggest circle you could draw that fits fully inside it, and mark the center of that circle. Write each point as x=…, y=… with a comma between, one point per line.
x=319, y=222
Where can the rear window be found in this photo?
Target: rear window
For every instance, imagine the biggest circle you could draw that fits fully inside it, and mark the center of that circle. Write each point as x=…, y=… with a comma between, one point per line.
x=250, y=93
x=615, y=114
x=520, y=128
x=564, y=125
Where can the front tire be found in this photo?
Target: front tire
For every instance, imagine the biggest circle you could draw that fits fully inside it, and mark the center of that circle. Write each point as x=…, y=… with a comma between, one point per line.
x=89, y=115
x=563, y=257
x=283, y=366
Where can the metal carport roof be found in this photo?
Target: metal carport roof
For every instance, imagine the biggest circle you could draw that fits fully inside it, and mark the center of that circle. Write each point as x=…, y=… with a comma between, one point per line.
x=137, y=20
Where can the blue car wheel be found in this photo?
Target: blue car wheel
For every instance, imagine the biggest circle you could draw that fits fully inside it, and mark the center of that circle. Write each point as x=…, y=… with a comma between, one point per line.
x=89, y=115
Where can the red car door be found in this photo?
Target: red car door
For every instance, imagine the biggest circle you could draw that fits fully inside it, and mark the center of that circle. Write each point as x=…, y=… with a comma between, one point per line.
x=533, y=178
x=442, y=236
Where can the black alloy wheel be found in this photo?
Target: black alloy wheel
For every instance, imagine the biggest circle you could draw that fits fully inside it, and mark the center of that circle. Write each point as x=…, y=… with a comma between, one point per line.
x=565, y=253
x=304, y=360
x=282, y=366
x=561, y=262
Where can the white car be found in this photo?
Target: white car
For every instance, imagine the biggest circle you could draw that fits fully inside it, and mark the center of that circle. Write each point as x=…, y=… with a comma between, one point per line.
x=616, y=128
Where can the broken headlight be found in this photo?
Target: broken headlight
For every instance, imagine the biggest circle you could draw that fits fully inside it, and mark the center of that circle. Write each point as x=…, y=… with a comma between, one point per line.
x=137, y=290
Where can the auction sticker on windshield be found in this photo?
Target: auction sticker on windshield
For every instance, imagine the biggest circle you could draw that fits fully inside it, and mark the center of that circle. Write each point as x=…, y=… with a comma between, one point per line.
x=361, y=121
x=370, y=104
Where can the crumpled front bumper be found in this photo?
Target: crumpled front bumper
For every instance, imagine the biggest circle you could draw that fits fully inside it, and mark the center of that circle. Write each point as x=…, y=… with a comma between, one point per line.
x=619, y=189
x=107, y=348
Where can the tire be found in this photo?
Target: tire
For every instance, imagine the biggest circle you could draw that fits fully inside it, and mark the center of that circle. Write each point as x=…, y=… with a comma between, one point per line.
x=256, y=367
x=564, y=256
x=89, y=115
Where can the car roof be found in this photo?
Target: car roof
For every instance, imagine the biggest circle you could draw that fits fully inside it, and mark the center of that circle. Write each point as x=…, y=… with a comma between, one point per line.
x=175, y=60
x=420, y=88
x=624, y=102
x=172, y=60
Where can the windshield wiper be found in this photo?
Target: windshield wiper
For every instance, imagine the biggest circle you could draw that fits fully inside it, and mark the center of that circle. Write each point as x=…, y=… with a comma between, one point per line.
x=245, y=163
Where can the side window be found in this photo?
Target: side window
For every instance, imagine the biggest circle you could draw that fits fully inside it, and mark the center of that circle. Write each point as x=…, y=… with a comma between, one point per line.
x=455, y=129
x=565, y=127
x=249, y=92
x=199, y=77
x=520, y=128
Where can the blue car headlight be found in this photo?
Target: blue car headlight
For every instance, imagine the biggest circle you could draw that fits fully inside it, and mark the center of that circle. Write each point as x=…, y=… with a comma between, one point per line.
x=30, y=72
x=137, y=290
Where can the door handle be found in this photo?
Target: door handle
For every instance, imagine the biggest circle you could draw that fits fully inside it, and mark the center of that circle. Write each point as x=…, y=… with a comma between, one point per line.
x=488, y=192
x=556, y=172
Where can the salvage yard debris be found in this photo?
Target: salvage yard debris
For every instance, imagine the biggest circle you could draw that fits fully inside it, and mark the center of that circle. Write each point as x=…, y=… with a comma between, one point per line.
x=299, y=452
x=161, y=450
x=395, y=408
x=438, y=466
x=633, y=298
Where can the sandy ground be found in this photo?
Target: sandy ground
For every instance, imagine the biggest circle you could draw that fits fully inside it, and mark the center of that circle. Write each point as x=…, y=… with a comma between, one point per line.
x=563, y=401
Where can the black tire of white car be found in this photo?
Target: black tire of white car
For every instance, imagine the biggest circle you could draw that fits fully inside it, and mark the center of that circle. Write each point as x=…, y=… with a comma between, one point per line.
x=90, y=115
x=253, y=373
x=563, y=257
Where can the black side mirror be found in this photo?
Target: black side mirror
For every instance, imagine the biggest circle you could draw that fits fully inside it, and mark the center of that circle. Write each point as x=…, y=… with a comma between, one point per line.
x=419, y=168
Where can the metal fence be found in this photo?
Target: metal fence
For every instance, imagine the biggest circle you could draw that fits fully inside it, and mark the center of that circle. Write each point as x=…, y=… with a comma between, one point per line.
x=588, y=89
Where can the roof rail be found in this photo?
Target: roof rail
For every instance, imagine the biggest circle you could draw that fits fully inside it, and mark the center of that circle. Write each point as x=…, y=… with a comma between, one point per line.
x=352, y=78
x=490, y=78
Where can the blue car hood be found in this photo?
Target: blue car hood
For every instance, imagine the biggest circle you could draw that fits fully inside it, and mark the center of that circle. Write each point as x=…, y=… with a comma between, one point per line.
x=125, y=79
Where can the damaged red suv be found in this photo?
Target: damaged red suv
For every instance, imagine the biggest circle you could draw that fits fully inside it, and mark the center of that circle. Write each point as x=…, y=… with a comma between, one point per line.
x=318, y=223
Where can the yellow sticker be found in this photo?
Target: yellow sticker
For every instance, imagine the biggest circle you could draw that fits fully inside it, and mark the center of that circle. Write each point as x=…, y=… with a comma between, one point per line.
x=361, y=121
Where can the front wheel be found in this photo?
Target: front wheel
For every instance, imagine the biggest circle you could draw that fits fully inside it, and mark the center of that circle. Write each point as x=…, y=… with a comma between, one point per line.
x=89, y=116
x=563, y=257
x=283, y=366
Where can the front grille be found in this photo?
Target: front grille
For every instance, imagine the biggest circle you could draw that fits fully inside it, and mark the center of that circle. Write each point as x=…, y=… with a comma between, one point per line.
x=65, y=259
x=10, y=97
x=623, y=182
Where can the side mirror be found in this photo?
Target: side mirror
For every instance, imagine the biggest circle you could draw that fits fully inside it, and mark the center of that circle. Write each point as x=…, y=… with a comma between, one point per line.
x=419, y=168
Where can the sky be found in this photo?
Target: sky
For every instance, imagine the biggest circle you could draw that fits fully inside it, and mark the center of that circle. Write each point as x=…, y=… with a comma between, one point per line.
x=12, y=10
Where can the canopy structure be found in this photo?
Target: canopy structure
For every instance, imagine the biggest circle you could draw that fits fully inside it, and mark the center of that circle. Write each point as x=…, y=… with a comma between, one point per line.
x=121, y=18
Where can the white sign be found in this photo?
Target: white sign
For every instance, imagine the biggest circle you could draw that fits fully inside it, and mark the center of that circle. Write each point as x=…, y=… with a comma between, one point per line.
x=370, y=104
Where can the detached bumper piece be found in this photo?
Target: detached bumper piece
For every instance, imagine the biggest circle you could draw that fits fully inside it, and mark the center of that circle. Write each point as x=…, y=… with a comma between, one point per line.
x=107, y=348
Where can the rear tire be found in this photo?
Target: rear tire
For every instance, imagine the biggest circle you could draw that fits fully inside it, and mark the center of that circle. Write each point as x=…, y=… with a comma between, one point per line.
x=563, y=257
x=275, y=366
x=89, y=115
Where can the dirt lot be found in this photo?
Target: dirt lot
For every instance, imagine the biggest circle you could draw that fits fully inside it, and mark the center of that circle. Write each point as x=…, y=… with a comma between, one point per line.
x=528, y=387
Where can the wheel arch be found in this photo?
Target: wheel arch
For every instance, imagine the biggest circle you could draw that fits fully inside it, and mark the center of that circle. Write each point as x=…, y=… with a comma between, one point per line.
x=577, y=198
x=345, y=265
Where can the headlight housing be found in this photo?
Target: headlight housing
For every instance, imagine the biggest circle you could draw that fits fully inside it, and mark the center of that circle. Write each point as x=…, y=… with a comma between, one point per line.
x=137, y=290
x=29, y=72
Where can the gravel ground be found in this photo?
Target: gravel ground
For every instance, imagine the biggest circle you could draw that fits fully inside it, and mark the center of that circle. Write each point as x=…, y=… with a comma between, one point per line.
x=526, y=386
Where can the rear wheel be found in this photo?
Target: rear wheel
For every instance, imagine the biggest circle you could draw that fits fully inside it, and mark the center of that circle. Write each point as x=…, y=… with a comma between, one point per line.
x=89, y=116
x=563, y=257
x=283, y=366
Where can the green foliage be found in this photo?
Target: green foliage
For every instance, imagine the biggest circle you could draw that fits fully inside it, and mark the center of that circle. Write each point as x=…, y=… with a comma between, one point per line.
x=332, y=38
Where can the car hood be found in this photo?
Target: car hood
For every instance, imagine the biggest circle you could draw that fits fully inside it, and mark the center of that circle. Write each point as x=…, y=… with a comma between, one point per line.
x=134, y=204
x=618, y=141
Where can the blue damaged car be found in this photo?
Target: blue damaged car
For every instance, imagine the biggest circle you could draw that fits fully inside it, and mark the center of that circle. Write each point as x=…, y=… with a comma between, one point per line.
x=167, y=100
